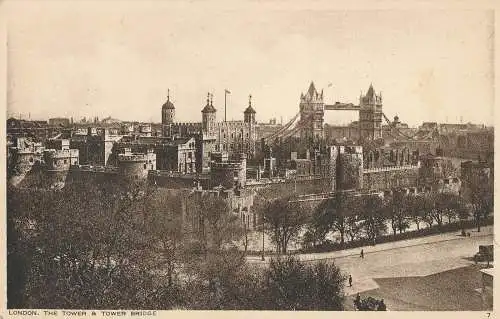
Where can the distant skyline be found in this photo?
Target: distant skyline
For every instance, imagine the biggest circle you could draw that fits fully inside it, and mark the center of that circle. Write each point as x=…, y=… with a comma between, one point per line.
x=118, y=59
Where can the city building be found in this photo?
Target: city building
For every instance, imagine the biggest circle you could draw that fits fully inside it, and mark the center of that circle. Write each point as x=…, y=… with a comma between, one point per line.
x=59, y=121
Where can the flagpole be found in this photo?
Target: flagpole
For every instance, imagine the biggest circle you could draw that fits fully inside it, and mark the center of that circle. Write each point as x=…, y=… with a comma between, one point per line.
x=226, y=92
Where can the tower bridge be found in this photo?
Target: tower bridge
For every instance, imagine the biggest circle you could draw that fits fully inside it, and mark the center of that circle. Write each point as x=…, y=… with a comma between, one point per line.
x=308, y=122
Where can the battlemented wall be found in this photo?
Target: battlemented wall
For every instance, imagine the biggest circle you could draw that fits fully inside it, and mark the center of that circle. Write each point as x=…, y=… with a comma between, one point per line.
x=390, y=177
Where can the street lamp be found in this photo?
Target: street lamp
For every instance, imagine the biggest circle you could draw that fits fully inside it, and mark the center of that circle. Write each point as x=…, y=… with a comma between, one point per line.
x=263, y=259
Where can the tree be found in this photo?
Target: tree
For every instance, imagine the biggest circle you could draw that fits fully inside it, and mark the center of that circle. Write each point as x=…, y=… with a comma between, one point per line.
x=427, y=205
x=86, y=243
x=284, y=219
x=396, y=206
x=482, y=201
x=415, y=208
x=218, y=226
x=165, y=228
x=353, y=227
x=293, y=285
x=336, y=214
x=478, y=191
x=444, y=204
x=322, y=222
x=373, y=218
x=463, y=210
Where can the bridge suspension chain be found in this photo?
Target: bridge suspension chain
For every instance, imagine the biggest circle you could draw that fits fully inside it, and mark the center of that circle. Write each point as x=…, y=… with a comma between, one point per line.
x=283, y=129
x=414, y=137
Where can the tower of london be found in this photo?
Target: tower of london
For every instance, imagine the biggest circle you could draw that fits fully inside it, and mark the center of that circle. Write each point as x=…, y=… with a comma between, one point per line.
x=233, y=137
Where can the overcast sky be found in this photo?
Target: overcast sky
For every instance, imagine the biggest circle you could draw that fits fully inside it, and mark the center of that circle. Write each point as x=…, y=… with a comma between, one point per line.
x=118, y=59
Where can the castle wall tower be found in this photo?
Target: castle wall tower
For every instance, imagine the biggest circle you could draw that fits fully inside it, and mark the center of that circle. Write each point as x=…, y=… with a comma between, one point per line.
x=350, y=168
x=208, y=115
x=132, y=166
x=312, y=111
x=370, y=115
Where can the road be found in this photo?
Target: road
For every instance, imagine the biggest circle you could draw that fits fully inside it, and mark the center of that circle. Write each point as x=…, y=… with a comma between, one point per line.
x=410, y=258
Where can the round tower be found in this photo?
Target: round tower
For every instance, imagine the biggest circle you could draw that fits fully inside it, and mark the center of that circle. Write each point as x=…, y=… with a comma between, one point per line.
x=168, y=111
x=208, y=115
x=132, y=166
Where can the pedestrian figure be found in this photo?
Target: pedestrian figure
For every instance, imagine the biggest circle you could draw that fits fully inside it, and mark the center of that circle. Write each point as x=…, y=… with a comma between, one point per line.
x=468, y=234
x=357, y=301
x=362, y=255
x=350, y=281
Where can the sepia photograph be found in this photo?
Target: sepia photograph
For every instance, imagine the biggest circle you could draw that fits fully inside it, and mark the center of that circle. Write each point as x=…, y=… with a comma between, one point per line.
x=211, y=155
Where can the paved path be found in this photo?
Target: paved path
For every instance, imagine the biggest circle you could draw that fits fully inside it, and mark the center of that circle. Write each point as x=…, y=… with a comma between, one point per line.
x=354, y=252
x=408, y=258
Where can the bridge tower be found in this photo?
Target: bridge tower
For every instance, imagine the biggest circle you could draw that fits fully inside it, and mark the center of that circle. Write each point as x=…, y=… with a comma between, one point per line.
x=370, y=115
x=312, y=111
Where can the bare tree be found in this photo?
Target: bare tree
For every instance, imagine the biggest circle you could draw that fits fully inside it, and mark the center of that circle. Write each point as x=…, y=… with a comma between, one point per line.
x=218, y=225
x=373, y=217
x=164, y=225
x=284, y=220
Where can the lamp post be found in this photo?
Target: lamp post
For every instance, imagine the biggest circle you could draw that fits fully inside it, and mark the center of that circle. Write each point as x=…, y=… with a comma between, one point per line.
x=263, y=259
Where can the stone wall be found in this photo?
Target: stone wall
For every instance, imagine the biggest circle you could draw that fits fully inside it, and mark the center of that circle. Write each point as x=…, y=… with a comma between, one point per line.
x=381, y=179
